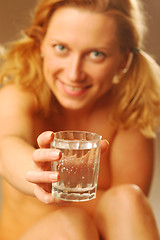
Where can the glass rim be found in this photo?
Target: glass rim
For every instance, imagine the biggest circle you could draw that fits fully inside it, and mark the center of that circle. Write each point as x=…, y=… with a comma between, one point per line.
x=98, y=136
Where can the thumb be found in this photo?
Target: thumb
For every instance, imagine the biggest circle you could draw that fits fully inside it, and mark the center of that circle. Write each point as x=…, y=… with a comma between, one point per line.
x=104, y=146
x=45, y=138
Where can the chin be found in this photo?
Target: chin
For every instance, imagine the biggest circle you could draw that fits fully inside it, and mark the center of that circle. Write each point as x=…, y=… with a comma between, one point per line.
x=73, y=107
x=74, y=104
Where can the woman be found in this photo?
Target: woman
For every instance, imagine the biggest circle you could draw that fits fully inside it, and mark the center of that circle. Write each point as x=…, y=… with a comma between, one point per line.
x=80, y=66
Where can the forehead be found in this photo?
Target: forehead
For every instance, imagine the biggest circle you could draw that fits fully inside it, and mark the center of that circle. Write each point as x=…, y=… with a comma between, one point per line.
x=72, y=22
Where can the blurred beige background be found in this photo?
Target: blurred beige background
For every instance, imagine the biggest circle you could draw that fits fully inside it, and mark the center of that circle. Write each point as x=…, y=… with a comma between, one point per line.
x=15, y=15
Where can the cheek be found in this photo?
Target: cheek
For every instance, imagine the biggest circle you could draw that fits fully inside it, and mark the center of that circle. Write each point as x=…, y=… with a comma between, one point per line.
x=49, y=66
x=104, y=76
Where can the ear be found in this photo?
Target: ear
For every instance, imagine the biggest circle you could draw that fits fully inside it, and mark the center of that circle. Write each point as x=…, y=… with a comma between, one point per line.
x=128, y=63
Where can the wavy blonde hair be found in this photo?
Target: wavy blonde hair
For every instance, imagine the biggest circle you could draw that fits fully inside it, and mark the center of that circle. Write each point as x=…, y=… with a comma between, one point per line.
x=136, y=99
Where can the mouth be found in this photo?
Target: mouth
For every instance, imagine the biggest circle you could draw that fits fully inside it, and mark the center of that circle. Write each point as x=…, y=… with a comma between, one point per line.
x=73, y=90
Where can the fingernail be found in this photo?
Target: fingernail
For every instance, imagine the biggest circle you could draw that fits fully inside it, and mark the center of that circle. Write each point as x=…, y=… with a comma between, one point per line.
x=56, y=153
x=54, y=176
x=51, y=135
x=106, y=141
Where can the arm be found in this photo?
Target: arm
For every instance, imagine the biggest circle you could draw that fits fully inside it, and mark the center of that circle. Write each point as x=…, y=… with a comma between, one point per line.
x=131, y=159
x=16, y=136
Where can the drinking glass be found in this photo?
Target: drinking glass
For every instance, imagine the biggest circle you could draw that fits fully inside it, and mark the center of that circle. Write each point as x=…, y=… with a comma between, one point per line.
x=78, y=167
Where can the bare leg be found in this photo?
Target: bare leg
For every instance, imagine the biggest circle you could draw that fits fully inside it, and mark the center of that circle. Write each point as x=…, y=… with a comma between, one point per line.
x=124, y=214
x=68, y=223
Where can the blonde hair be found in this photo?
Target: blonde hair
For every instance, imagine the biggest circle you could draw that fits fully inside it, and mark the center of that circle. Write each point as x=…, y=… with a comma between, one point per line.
x=136, y=99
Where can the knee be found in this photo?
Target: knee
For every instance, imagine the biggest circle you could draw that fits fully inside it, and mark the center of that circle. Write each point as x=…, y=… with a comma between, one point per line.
x=67, y=223
x=123, y=198
x=71, y=215
x=76, y=223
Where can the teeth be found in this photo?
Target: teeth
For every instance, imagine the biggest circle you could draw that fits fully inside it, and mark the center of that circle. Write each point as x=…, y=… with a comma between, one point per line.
x=74, y=88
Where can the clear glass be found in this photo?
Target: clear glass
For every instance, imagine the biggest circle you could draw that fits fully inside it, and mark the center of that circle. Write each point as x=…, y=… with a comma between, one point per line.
x=78, y=167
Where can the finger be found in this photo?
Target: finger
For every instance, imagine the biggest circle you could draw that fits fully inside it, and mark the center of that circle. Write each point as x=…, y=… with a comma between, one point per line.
x=46, y=155
x=44, y=197
x=42, y=176
x=104, y=145
x=45, y=138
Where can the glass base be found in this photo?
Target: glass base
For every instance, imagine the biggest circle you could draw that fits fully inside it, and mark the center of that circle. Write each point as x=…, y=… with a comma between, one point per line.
x=74, y=194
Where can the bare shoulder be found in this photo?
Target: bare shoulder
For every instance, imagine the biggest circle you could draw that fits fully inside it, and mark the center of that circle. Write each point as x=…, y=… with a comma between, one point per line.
x=10, y=95
x=17, y=110
x=132, y=158
x=131, y=137
x=133, y=144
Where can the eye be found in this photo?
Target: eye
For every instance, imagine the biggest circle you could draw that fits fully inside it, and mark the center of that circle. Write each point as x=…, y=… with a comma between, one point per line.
x=60, y=48
x=97, y=55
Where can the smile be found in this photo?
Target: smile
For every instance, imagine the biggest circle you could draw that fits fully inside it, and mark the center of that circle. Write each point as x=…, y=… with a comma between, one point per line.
x=73, y=90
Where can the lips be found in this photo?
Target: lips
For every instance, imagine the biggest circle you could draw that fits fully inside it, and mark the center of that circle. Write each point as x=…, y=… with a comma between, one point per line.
x=73, y=90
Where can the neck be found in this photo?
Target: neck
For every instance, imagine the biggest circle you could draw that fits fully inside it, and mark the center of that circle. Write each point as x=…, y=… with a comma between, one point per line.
x=76, y=118
x=80, y=119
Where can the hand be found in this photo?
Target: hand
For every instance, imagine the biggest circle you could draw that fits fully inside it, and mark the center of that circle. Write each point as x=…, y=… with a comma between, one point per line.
x=42, y=176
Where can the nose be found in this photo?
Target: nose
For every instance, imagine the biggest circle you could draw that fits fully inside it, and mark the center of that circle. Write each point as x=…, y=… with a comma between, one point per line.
x=74, y=69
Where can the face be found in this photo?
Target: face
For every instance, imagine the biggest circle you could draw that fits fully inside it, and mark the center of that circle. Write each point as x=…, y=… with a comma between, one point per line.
x=80, y=56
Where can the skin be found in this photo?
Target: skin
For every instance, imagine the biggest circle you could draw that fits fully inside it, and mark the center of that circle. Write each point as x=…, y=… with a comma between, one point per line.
x=79, y=71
